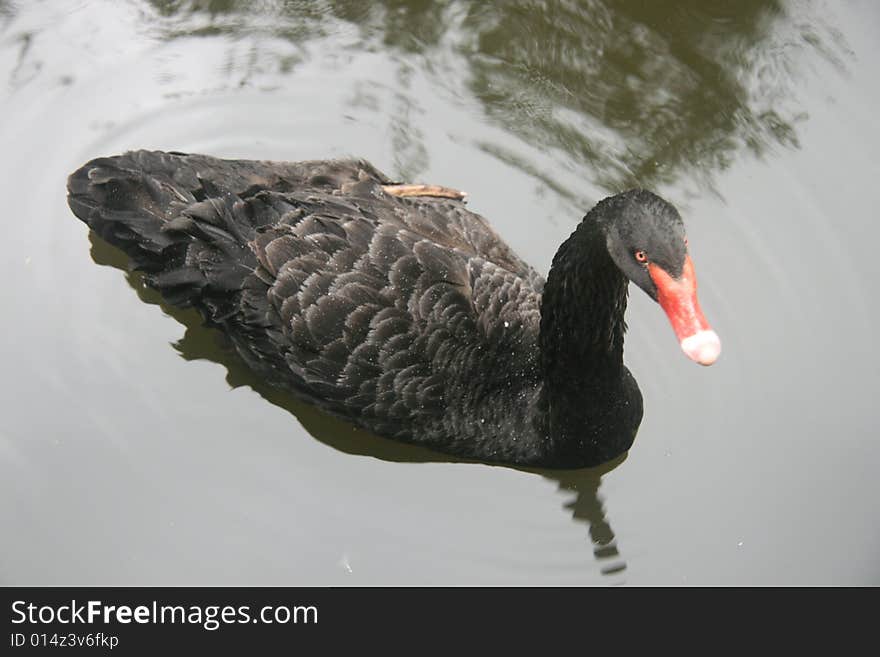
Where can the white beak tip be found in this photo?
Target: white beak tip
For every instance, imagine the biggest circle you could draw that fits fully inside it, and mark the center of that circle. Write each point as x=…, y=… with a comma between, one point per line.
x=702, y=347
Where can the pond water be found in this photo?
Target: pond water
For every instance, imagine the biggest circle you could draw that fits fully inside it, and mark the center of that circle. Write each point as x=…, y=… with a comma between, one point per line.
x=135, y=449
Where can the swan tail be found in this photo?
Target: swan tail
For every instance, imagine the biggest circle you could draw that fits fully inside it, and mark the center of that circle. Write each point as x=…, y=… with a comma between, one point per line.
x=188, y=235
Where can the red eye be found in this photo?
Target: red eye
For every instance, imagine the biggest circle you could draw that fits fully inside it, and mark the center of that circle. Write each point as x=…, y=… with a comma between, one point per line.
x=641, y=256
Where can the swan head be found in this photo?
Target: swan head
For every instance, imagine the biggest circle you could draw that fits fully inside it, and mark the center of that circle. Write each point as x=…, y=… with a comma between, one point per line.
x=646, y=239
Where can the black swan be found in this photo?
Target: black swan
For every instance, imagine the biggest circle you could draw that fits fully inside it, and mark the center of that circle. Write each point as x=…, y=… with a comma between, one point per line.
x=395, y=307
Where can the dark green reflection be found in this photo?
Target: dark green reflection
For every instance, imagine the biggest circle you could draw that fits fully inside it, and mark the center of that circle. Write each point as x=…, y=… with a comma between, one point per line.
x=625, y=92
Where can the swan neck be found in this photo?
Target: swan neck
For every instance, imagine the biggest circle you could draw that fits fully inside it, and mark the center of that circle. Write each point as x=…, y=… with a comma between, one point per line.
x=582, y=310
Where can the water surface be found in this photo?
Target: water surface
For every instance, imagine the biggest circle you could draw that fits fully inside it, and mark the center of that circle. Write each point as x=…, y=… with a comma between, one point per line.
x=135, y=449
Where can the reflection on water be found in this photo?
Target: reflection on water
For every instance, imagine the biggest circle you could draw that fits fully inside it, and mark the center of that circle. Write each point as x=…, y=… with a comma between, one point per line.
x=588, y=507
x=622, y=93
x=625, y=92
x=201, y=343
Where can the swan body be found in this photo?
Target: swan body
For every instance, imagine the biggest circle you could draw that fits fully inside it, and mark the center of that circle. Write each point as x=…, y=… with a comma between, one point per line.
x=407, y=315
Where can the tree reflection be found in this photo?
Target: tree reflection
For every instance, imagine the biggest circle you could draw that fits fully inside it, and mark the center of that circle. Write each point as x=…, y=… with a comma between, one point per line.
x=624, y=92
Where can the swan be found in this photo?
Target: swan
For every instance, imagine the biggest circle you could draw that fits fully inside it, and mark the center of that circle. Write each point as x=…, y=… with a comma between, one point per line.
x=397, y=308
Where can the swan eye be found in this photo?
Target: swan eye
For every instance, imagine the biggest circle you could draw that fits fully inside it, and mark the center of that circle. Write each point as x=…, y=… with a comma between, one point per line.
x=685, y=241
x=641, y=256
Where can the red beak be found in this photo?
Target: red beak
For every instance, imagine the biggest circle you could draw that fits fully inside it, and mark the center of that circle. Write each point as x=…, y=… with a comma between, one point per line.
x=678, y=298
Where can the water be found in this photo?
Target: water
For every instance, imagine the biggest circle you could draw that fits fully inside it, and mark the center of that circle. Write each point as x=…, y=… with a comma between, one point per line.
x=135, y=450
